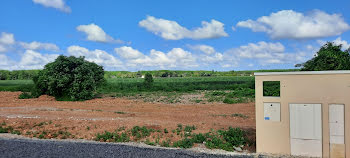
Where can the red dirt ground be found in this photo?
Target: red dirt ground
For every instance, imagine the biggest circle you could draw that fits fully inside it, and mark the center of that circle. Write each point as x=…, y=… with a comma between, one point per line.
x=85, y=119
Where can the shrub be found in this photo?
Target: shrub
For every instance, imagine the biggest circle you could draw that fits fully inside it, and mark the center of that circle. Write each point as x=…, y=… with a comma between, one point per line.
x=25, y=95
x=148, y=80
x=69, y=78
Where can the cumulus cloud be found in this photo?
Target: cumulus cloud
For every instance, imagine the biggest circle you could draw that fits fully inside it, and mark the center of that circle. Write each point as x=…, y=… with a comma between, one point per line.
x=35, y=60
x=171, y=30
x=265, y=53
x=337, y=41
x=175, y=58
x=97, y=56
x=203, y=48
x=57, y=4
x=96, y=33
x=208, y=54
x=39, y=46
x=6, y=40
x=288, y=24
x=128, y=53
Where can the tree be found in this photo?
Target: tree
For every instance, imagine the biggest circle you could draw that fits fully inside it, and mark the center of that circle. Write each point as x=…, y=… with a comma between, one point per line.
x=148, y=80
x=329, y=57
x=69, y=78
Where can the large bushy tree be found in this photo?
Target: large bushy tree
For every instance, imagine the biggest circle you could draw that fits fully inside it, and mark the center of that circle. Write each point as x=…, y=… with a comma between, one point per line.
x=329, y=57
x=70, y=78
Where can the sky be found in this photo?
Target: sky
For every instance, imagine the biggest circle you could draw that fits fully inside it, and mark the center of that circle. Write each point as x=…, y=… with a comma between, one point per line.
x=138, y=35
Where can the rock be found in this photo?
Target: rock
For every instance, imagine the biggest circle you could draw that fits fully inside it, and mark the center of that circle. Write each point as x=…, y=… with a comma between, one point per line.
x=239, y=149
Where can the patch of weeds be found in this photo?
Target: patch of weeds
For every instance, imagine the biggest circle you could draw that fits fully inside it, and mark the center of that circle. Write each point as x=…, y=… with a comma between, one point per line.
x=165, y=130
x=141, y=132
x=40, y=124
x=50, y=122
x=16, y=132
x=121, y=129
x=3, y=123
x=3, y=130
x=148, y=142
x=26, y=95
x=198, y=100
x=41, y=136
x=120, y=112
x=87, y=128
x=239, y=115
x=28, y=133
x=179, y=129
x=99, y=110
x=112, y=136
x=165, y=143
x=190, y=128
x=185, y=143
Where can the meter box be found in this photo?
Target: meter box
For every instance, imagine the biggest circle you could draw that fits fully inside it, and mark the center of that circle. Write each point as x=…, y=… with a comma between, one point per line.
x=272, y=112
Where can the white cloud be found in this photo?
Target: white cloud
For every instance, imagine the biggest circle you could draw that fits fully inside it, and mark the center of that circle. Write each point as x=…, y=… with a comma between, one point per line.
x=5, y=62
x=171, y=30
x=39, y=46
x=203, y=48
x=96, y=33
x=344, y=43
x=337, y=41
x=288, y=24
x=209, y=54
x=265, y=53
x=7, y=38
x=128, y=52
x=97, y=56
x=175, y=58
x=35, y=60
x=58, y=4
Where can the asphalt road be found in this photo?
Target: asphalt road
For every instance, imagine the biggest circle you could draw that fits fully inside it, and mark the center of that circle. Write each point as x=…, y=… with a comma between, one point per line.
x=14, y=147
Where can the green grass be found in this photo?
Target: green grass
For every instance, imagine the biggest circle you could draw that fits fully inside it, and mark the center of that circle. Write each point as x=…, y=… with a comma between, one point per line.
x=177, y=84
x=16, y=85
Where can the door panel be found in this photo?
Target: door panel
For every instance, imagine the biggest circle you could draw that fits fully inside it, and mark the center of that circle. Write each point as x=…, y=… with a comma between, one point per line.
x=336, y=130
x=306, y=129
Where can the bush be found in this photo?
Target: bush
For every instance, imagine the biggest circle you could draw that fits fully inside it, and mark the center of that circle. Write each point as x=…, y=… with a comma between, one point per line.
x=69, y=78
x=148, y=80
x=25, y=95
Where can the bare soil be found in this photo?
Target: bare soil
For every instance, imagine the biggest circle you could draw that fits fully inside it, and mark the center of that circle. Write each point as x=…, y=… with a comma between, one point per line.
x=84, y=119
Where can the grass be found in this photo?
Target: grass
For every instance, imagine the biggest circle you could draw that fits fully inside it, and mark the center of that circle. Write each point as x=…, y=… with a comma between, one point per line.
x=167, y=90
x=220, y=139
x=16, y=85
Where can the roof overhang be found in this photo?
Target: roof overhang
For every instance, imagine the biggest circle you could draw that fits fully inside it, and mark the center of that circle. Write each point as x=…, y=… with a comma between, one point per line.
x=302, y=73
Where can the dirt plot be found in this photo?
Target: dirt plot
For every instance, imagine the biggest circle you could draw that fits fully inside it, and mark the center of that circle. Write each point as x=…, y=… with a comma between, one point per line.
x=85, y=119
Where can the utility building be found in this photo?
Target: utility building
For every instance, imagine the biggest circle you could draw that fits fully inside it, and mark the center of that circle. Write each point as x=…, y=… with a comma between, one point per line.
x=306, y=114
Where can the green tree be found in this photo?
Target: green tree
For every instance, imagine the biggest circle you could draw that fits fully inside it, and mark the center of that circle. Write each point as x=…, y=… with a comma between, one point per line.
x=69, y=78
x=329, y=57
x=148, y=80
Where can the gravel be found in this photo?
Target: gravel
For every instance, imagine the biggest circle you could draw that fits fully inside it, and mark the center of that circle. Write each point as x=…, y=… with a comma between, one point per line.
x=18, y=146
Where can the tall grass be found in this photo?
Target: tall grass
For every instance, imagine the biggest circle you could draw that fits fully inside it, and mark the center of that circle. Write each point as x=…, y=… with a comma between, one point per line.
x=16, y=85
x=177, y=84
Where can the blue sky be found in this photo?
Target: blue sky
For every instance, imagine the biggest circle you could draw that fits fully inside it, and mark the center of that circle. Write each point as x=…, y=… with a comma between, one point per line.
x=178, y=35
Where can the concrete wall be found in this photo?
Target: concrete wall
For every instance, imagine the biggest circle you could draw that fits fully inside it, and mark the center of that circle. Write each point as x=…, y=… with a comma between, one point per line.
x=325, y=89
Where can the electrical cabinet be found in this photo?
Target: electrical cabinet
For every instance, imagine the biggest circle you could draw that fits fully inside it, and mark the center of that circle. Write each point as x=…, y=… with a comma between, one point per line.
x=272, y=112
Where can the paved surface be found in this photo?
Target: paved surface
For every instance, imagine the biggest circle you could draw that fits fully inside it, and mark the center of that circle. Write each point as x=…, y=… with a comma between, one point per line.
x=14, y=147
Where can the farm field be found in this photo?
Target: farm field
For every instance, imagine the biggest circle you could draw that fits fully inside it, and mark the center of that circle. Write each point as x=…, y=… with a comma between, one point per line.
x=45, y=118
x=190, y=90
x=168, y=110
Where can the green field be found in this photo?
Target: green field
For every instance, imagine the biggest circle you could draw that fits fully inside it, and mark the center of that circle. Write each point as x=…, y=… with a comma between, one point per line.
x=16, y=85
x=213, y=89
